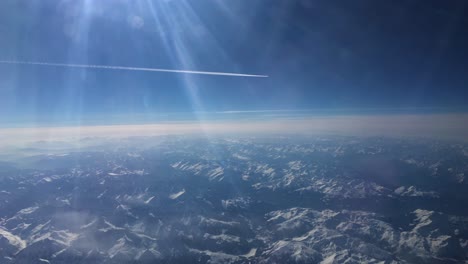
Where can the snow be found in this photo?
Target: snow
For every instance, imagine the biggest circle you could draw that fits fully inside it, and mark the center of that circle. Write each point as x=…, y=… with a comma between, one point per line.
x=439, y=242
x=238, y=202
x=176, y=195
x=217, y=257
x=223, y=238
x=460, y=177
x=40, y=227
x=140, y=172
x=196, y=168
x=28, y=210
x=297, y=252
x=110, y=227
x=151, y=252
x=88, y=224
x=251, y=253
x=59, y=252
x=412, y=191
x=265, y=170
x=63, y=237
x=13, y=239
x=216, y=174
x=295, y=165
x=241, y=157
x=423, y=217
x=149, y=200
x=133, y=155
x=101, y=194
x=329, y=260
x=119, y=247
x=216, y=222
x=47, y=179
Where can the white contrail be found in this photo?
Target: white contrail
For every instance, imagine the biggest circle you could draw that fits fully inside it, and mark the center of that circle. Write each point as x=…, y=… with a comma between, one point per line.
x=130, y=68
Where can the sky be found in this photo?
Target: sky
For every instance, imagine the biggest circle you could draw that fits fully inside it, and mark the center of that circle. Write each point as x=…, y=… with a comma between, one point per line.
x=319, y=56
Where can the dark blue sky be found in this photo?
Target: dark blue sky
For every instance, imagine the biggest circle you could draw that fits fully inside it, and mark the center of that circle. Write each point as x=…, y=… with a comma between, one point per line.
x=318, y=54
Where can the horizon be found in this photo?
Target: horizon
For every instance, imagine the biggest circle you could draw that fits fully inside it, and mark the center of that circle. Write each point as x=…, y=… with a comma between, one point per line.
x=443, y=126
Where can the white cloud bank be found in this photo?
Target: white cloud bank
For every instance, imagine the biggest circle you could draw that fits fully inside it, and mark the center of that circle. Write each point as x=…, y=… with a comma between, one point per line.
x=441, y=126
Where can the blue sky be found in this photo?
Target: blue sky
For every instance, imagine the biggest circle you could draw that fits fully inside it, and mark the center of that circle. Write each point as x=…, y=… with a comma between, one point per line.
x=321, y=55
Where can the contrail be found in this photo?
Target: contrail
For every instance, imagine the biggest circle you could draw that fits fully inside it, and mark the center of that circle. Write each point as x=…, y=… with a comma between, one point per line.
x=131, y=68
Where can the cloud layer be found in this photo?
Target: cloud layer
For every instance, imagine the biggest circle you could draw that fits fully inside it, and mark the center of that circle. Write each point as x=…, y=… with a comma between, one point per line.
x=440, y=126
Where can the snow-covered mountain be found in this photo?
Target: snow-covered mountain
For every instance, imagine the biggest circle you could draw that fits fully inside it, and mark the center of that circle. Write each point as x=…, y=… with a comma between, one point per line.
x=237, y=200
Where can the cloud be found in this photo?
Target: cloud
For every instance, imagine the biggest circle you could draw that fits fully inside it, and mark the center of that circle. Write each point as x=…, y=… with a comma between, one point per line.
x=439, y=126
